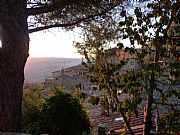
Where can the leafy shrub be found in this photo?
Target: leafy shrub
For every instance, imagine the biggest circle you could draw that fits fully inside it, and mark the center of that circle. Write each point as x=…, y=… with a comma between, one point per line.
x=60, y=114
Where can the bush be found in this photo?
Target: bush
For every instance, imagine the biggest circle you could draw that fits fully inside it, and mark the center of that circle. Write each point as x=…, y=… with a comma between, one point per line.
x=60, y=114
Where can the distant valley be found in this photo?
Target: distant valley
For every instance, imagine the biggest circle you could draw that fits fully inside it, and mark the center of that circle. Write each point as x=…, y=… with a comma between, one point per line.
x=37, y=69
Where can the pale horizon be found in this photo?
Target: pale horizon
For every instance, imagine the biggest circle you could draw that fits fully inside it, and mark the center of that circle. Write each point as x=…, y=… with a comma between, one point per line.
x=55, y=44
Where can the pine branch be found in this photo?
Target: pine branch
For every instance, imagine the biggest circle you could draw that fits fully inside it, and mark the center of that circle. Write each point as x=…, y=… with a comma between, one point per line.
x=45, y=9
x=72, y=23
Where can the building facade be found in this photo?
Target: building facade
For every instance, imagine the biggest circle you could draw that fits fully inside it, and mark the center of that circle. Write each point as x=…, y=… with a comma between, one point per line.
x=70, y=78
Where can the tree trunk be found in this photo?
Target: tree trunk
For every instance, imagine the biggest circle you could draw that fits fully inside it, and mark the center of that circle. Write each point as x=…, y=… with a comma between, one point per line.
x=148, y=107
x=13, y=56
x=125, y=118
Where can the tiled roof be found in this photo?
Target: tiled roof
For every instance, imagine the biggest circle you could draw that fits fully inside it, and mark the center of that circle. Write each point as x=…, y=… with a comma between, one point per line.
x=136, y=122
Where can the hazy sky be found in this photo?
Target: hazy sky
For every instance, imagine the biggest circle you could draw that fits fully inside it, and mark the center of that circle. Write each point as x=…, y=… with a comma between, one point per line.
x=55, y=43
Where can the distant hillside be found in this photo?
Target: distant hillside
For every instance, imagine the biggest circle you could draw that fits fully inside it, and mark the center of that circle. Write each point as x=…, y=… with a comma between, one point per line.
x=37, y=69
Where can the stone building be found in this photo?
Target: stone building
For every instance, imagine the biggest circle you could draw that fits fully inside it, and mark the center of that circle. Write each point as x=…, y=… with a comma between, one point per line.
x=70, y=78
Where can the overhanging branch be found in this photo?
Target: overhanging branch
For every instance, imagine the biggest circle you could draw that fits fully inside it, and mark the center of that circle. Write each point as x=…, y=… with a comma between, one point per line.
x=52, y=26
x=45, y=9
x=69, y=24
x=54, y=6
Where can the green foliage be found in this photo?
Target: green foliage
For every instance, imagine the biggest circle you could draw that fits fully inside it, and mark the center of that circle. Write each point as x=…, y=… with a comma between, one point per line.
x=78, y=94
x=150, y=30
x=157, y=58
x=60, y=114
x=32, y=98
x=105, y=103
x=64, y=114
x=94, y=100
x=31, y=107
x=169, y=123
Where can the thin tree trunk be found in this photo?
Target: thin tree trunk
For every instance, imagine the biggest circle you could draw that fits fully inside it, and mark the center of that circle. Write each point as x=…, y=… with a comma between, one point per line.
x=13, y=56
x=148, y=107
x=116, y=99
x=125, y=119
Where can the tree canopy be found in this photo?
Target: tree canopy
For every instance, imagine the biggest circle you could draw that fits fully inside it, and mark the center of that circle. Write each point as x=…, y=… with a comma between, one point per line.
x=58, y=114
x=69, y=13
x=153, y=81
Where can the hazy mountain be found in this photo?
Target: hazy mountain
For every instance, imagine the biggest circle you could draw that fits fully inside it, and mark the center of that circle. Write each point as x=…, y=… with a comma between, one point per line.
x=37, y=69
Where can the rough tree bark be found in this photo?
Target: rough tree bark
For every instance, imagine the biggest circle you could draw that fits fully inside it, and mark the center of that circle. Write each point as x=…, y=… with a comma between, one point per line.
x=13, y=56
